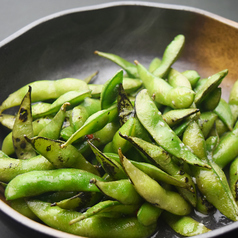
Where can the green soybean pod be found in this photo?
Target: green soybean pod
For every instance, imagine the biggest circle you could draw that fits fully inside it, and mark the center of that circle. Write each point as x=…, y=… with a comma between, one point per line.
x=171, y=54
x=23, y=126
x=233, y=179
x=11, y=167
x=192, y=75
x=152, y=192
x=126, y=65
x=163, y=93
x=34, y=183
x=66, y=157
x=95, y=226
x=227, y=149
x=44, y=90
x=151, y=118
x=110, y=90
x=211, y=183
x=185, y=225
x=223, y=111
x=148, y=214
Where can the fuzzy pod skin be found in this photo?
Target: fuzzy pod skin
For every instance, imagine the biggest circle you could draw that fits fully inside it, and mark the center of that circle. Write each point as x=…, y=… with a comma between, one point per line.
x=152, y=192
x=151, y=118
x=38, y=182
x=95, y=227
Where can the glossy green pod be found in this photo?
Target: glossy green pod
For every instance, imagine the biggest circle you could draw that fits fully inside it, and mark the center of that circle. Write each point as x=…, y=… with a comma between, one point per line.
x=171, y=54
x=185, y=225
x=96, y=226
x=121, y=190
x=44, y=90
x=148, y=214
x=126, y=65
x=163, y=93
x=38, y=182
x=152, y=192
x=211, y=183
x=152, y=120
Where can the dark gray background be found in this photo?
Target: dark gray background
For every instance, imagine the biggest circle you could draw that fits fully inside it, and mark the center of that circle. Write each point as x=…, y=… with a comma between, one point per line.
x=15, y=14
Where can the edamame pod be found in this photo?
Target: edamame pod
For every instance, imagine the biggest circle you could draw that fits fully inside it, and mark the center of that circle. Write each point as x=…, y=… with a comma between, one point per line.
x=233, y=99
x=152, y=192
x=38, y=125
x=110, y=90
x=126, y=65
x=209, y=85
x=211, y=183
x=38, y=182
x=7, y=120
x=185, y=225
x=96, y=226
x=113, y=168
x=171, y=54
x=174, y=117
x=176, y=79
x=125, y=107
x=79, y=201
x=163, y=93
x=94, y=123
x=72, y=97
x=53, y=128
x=151, y=118
x=227, y=149
x=44, y=90
x=23, y=126
x=10, y=168
x=122, y=190
x=148, y=214
x=223, y=111
x=192, y=76
x=233, y=175
x=66, y=157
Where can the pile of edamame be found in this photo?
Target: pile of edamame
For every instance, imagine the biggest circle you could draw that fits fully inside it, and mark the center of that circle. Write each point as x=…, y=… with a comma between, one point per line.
x=113, y=160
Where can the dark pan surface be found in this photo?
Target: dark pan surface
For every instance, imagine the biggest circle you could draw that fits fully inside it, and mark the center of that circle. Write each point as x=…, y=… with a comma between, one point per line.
x=63, y=45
